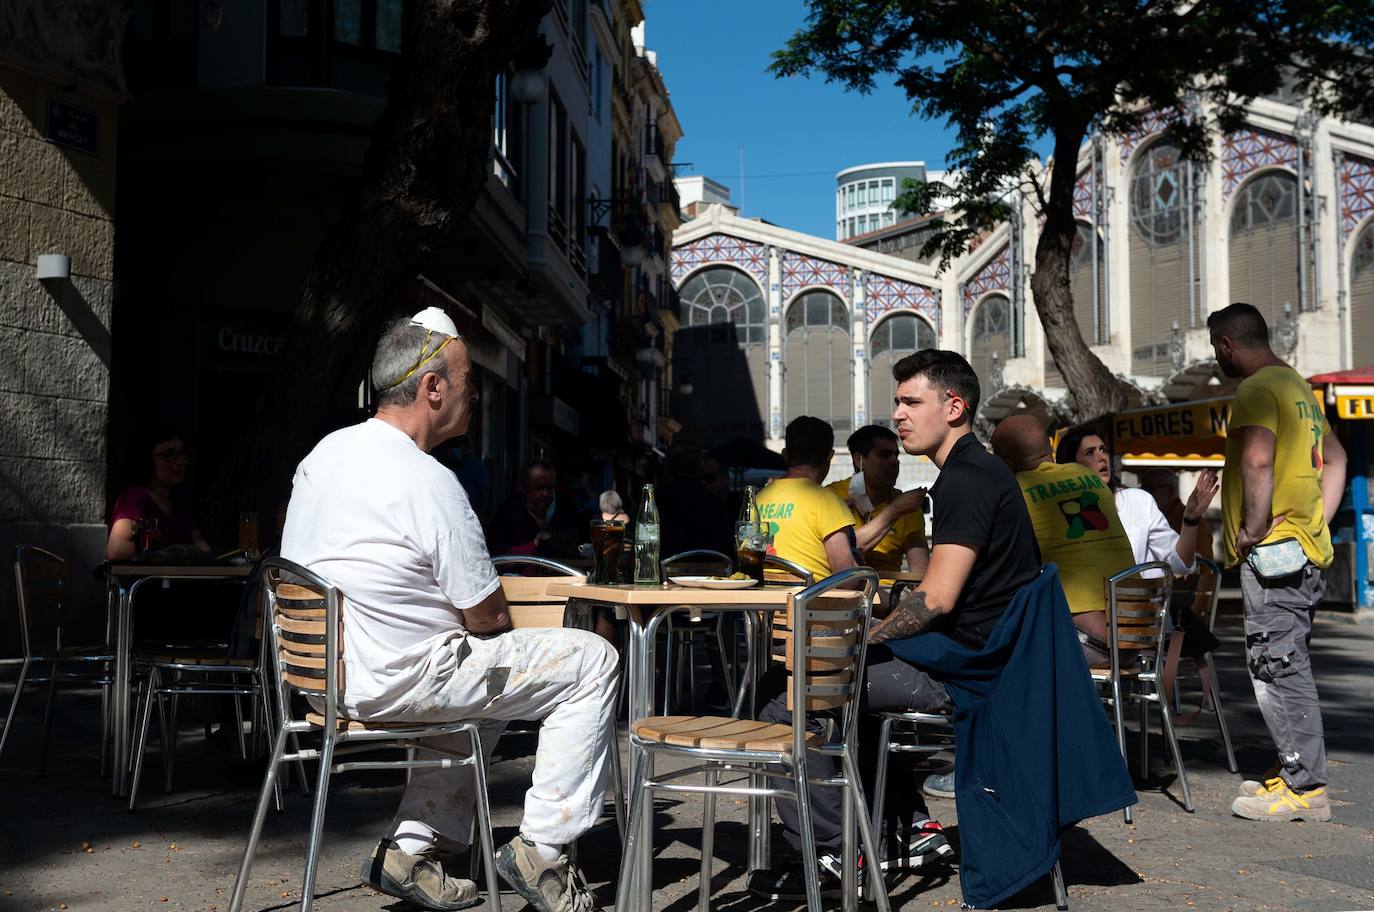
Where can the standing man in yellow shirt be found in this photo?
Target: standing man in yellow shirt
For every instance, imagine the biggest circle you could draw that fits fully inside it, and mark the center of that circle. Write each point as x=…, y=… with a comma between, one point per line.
x=1076, y=526
x=890, y=524
x=1283, y=480
x=809, y=524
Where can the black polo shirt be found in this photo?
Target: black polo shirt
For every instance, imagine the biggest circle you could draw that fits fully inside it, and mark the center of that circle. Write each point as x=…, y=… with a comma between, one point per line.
x=978, y=503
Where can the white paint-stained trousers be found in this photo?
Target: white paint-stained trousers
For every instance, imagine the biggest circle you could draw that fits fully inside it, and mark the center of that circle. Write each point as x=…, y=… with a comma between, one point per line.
x=563, y=676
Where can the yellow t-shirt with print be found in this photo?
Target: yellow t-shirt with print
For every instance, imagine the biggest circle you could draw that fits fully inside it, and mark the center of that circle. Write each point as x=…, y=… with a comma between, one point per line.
x=890, y=550
x=1076, y=526
x=1278, y=398
x=801, y=515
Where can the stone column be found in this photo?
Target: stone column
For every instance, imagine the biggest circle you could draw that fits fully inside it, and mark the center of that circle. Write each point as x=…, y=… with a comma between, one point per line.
x=858, y=334
x=775, y=362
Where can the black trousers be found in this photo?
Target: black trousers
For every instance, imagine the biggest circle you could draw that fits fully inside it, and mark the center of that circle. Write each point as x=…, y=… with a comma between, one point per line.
x=890, y=685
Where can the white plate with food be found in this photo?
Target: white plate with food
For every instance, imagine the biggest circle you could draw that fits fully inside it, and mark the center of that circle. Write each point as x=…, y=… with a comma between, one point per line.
x=713, y=582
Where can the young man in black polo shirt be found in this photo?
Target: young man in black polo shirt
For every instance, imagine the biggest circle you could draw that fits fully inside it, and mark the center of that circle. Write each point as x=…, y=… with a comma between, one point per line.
x=984, y=552
x=984, y=543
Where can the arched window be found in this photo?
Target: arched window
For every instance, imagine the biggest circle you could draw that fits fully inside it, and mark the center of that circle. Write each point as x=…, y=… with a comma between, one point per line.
x=722, y=351
x=892, y=340
x=1362, y=297
x=1160, y=229
x=1264, y=244
x=991, y=333
x=819, y=380
x=1081, y=288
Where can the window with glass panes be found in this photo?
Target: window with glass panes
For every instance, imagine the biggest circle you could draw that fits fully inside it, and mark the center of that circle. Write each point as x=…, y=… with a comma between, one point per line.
x=818, y=376
x=1264, y=244
x=1158, y=255
x=991, y=332
x=892, y=340
x=722, y=348
x=1362, y=296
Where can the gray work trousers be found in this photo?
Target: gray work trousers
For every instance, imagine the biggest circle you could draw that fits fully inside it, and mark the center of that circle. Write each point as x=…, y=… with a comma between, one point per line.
x=890, y=685
x=1278, y=629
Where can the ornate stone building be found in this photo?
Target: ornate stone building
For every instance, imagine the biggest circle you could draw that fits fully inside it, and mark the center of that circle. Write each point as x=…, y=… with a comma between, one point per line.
x=1282, y=217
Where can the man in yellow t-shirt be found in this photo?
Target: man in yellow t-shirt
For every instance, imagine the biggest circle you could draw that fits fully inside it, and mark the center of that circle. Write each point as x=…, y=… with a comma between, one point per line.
x=1076, y=526
x=1282, y=483
x=890, y=524
x=809, y=524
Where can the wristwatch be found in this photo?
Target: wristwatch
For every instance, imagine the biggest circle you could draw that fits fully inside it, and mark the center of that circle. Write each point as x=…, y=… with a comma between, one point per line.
x=1191, y=522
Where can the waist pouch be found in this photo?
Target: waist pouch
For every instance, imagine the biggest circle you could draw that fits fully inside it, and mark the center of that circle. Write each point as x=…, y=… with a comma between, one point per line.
x=1277, y=559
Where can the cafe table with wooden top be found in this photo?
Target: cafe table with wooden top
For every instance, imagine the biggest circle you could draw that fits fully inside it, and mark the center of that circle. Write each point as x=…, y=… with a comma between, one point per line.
x=125, y=581
x=646, y=608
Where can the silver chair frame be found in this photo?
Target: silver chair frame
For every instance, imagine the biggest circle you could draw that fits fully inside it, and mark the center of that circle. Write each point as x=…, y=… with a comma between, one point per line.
x=617, y=777
x=341, y=742
x=55, y=658
x=680, y=637
x=1151, y=658
x=1215, y=570
x=636, y=872
x=886, y=747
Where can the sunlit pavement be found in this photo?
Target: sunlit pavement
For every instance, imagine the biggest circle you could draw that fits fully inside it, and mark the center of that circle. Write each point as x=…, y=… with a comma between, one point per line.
x=66, y=844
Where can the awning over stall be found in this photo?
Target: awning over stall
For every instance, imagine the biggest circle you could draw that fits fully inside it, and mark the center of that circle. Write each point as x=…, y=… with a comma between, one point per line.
x=1181, y=434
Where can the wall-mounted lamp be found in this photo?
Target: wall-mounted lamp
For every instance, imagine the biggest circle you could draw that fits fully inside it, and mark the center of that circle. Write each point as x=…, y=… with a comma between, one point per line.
x=530, y=84
x=54, y=266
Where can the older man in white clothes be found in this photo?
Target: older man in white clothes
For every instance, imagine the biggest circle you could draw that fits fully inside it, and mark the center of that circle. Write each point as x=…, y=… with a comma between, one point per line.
x=427, y=634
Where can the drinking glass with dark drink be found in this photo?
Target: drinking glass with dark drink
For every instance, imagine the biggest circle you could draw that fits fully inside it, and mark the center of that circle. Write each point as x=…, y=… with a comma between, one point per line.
x=751, y=539
x=608, y=540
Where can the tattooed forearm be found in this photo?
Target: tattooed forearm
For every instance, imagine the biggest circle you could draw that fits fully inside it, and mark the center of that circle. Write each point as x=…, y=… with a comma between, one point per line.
x=910, y=617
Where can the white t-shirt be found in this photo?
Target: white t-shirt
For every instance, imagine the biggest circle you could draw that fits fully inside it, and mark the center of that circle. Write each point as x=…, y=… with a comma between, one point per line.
x=1152, y=538
x=392, y=528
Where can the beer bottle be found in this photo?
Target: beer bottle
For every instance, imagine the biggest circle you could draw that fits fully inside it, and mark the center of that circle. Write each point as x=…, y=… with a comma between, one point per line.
x=647, y=570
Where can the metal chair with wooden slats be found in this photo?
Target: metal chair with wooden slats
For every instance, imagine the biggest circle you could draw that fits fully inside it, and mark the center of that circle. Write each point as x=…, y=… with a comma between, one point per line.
x=173, y=669
x=781, y=570
x=1136, y=609
x=938, y=731
x=530, y=605
x=306, y=646
x=1204, y=593
x=42, y=596
x=823, y=633
x=679, y=658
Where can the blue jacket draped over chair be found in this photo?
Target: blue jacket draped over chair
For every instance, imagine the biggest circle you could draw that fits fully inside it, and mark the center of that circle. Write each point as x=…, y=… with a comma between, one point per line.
x=1034, y=750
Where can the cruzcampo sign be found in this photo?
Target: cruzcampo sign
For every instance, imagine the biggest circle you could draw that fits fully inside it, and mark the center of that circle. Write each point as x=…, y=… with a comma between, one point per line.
x=1181, y=431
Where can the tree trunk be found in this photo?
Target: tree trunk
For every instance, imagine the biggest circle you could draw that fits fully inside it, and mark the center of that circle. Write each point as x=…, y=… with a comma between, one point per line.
x=1093, y=390
x=424, y=169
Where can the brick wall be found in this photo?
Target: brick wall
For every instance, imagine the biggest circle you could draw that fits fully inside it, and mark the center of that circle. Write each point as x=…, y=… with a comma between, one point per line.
x=55, y=336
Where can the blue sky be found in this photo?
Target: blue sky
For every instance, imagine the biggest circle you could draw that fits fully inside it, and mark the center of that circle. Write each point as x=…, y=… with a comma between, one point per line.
x=796, y=133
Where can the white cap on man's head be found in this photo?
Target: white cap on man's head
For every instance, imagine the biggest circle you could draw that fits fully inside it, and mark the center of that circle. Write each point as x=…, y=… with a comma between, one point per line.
x=435, y=320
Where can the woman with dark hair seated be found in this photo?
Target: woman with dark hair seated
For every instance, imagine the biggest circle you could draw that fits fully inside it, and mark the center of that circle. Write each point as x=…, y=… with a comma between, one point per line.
x=152, y=506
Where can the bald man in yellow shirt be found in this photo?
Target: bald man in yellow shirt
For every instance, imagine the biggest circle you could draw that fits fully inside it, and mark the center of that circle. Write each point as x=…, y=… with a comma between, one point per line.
x=1076, y=526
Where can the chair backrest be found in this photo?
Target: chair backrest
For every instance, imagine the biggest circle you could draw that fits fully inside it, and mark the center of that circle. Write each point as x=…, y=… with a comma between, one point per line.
x=306, y=634
x=42, y=583
x=527, y=597
x=701, y=561
x=1136, y=607
x=1203, y=588
x=826, y=627
x=785, y=571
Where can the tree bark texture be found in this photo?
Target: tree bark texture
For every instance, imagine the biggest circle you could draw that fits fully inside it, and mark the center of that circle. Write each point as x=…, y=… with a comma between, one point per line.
x=1093, y=390
x=424, y=169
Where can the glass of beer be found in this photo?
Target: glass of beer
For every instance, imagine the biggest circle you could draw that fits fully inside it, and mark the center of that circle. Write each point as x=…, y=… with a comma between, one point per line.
x=750, y=546
x=608, y=540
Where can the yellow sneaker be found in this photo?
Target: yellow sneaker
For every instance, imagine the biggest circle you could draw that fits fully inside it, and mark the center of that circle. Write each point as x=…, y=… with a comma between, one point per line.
x=1271, y=781
x=1282, y=803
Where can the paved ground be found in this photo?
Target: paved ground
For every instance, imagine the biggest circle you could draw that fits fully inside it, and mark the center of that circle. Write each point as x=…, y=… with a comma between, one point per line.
x=65, y=844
